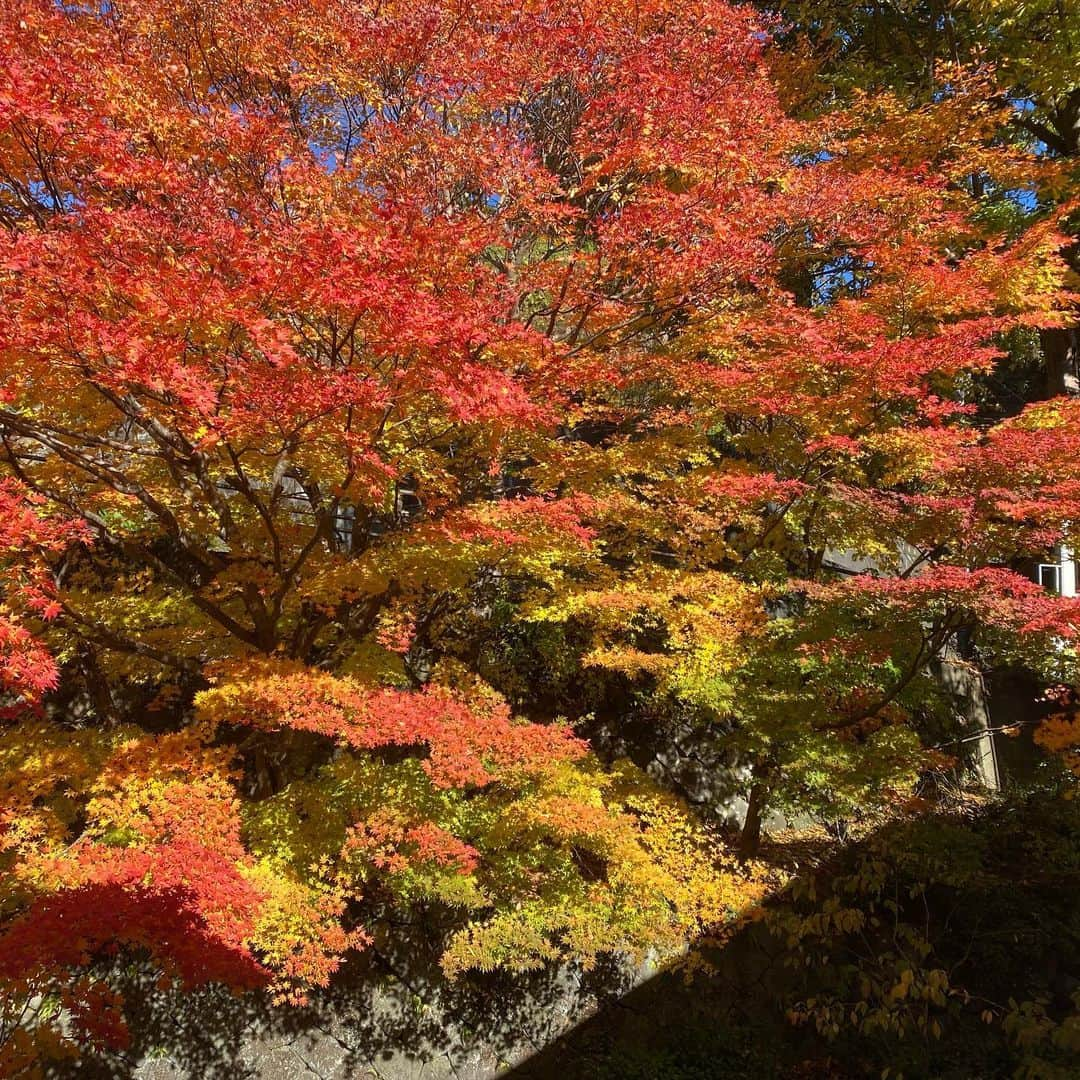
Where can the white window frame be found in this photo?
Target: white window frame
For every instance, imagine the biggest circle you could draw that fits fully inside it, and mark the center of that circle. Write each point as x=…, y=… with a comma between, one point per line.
x=1056, y=575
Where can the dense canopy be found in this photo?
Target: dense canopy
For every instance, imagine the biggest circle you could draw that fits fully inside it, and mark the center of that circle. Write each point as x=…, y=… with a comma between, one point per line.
x=403, y=406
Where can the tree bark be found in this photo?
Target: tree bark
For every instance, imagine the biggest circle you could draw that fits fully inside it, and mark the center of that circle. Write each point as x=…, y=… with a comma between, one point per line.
x=750, y=838
x=1061, y=348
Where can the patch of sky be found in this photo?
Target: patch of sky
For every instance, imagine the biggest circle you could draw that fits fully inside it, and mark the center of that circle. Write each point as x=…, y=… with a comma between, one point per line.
x=51, y=199
x=1024, y=197
x=848, y=275
x=811, y=157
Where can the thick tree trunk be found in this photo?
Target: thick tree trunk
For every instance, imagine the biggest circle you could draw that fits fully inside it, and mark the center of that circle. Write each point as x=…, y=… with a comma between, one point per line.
x=750, y=838
x=1061, y=348
x=97, y=687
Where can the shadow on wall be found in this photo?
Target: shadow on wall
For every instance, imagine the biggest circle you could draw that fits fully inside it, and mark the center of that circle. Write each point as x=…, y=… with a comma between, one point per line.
x=997, y=908
x=390, y=1014
x=400, y=1020
x=989, y=893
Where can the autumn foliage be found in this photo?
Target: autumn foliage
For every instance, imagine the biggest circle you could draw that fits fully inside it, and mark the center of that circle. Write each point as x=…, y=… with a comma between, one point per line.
x=392, y=393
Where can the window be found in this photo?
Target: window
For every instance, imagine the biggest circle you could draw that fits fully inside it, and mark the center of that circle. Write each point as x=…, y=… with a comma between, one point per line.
x=1048, y=576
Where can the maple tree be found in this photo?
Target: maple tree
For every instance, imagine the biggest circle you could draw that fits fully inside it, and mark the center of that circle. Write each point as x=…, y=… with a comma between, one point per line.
x=1027, y=85
x=384, y=386
x=1027, y=55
